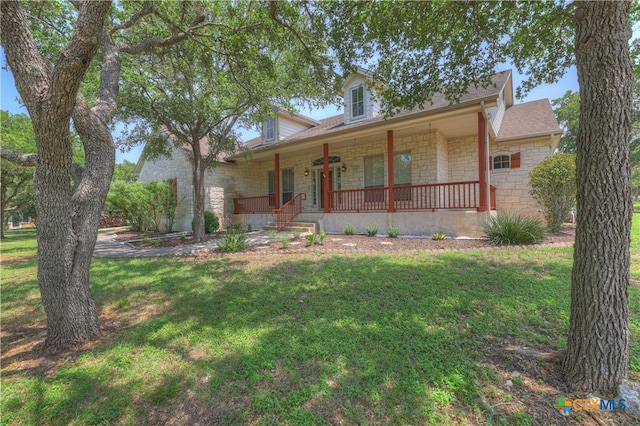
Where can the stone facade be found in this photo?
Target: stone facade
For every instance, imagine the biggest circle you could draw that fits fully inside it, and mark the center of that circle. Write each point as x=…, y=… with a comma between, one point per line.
x=219, y=185
x=434, y=160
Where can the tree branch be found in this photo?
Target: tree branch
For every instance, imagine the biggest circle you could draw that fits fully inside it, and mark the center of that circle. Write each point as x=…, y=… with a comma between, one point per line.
x=27, y=160
x=148, y=44
x=147, y=9
x=272, y=12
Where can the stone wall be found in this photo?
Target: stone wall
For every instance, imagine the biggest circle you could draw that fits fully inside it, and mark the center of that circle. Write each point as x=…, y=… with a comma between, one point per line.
x=512, y=185
x=175, y=166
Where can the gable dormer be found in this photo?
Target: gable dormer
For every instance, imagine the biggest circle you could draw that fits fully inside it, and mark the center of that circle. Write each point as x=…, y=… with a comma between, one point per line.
x=284, y=124
x=359, y=101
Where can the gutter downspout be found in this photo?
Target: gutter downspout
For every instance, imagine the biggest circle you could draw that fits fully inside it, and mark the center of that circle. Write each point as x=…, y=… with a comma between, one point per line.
x=486, y=157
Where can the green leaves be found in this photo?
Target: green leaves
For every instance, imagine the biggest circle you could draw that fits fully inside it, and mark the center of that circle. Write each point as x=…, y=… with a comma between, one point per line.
x=553, y=185
x=567, y=109
x=418, y=49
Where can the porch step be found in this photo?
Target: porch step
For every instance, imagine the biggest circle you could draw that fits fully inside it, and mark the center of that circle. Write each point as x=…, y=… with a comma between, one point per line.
x=303, y=227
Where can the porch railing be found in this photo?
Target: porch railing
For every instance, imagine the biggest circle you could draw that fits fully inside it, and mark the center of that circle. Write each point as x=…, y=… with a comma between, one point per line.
x=285, y=214
x=259, y=204
x=434, y=196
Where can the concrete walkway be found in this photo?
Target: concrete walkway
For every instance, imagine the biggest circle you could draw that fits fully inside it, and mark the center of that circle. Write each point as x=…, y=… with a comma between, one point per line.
x=108, y=247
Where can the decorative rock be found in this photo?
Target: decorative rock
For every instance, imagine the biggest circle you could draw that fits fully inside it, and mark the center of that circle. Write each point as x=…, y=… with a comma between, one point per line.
x=386, y=243
x=509, y=383
x=349, y=244
x=630, y=392
x=515, y=374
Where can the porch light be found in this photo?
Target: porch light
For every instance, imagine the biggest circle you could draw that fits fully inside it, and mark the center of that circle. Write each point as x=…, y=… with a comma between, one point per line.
x=344, y=167
x=306, y=172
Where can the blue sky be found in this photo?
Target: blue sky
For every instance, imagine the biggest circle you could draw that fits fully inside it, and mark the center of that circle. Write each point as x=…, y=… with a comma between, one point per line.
x=9, y=96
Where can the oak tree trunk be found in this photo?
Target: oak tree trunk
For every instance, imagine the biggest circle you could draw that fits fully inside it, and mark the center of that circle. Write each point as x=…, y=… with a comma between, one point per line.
x=198, y=196
x=598, y=343
x=67, y=218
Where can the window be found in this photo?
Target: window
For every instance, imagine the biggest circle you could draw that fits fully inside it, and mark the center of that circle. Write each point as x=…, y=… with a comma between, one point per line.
x=269, y=129
x=402, y=175
x=314, y=187
x=374, y=171
x=357, y=102
x=501, y=162
x=374, y=177
x=402, y=168
x=287, y=185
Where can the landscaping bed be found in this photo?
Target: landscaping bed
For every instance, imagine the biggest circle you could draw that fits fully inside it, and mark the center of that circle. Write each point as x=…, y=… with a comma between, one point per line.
x=338, y=242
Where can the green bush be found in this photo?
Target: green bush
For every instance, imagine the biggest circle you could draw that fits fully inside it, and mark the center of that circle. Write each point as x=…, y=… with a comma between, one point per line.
x=553, y=185
x=349, y=229
x=211, y=223
x=322, y=236
x=144, y=206
x=233, y=241
x=513, y=228
x=311, y=238
x=393, y=231
x=372, y=229
x=439, y=236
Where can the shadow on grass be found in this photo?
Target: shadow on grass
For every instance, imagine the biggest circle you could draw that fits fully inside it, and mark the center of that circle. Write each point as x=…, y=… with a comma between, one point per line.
x=326, y=340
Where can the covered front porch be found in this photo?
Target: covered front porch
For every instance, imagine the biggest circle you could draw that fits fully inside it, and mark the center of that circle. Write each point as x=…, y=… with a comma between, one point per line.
x=402, y=179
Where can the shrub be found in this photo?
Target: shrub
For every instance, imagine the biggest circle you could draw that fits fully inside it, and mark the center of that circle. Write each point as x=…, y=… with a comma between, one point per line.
x=553, y=185
x=285, y=242
x=349, y=229
x=136, y=203
x=372, y=229
x=512, y=228
x=322, y=236
x=439, y=236
x=249, y=228
x=311, y=238
x=211, y=223
x=393, y=231
x=233, y=241
x=296, y=233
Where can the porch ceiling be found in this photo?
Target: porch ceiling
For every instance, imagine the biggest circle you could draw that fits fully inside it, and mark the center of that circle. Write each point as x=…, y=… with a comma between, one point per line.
x=451, y=127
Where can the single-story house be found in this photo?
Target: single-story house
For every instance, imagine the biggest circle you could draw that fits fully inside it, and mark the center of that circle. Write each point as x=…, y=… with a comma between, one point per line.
x=440, y=168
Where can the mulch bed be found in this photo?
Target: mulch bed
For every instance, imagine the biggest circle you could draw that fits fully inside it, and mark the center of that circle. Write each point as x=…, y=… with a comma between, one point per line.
x=343, y=243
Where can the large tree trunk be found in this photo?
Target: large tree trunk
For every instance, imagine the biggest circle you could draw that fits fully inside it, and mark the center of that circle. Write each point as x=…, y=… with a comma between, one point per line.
x=598, y=344
x=198, y=196
x=67, y=220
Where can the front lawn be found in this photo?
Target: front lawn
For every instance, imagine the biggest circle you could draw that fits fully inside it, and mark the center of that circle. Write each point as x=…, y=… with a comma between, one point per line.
x=317, y=339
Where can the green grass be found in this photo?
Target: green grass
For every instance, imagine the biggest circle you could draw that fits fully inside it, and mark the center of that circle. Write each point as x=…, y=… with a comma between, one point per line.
x=310, y=340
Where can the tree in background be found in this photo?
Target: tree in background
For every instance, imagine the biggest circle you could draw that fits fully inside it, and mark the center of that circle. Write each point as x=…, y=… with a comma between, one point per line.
x=197, y=93
x=553, y=185
x=123, y=172
x=16, y=181
x=567, y=109
x=420, y=48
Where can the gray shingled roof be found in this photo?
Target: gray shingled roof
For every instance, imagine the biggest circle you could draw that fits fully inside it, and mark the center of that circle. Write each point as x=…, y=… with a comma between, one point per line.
x=336, y=123
x=528, y=119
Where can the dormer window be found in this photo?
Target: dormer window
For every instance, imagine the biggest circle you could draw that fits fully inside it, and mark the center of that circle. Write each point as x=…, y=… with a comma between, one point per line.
x=269, y=129
x=357, y=102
